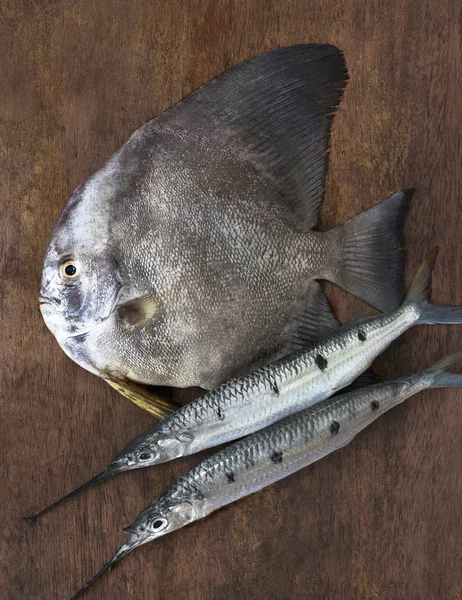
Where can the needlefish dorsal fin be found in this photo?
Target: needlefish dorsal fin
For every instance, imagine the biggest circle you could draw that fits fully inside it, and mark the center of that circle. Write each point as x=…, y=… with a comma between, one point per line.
x=274, y=111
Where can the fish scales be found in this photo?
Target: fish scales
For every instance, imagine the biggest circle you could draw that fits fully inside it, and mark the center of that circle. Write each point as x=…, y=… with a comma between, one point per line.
x=274, y=453
x=190, y=256
x=282, y=388
x=277, y=390
x=285, y=447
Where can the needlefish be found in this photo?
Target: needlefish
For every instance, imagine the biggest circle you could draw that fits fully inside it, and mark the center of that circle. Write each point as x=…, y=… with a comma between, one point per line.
x=278, y=390
x=189, y=257
x=251, y=464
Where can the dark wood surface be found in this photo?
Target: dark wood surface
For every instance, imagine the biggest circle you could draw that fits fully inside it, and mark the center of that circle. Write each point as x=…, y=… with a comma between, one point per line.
x=380, y=519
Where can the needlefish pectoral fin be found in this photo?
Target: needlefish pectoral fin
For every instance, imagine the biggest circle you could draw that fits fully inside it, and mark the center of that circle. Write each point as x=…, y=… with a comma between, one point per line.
x=152, y=403
x=121, y=552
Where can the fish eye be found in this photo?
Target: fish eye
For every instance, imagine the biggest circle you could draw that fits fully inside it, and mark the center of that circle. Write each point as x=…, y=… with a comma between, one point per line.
x=158, y=523
x=69, y=270
x=145, y=454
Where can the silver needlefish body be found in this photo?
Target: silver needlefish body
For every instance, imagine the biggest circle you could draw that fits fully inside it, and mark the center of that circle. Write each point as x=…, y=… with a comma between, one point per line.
x=271, y=454
x=270, y=393
x=189, y=256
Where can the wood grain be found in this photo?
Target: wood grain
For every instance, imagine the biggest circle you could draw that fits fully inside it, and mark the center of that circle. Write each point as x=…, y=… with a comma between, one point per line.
x=380, y=519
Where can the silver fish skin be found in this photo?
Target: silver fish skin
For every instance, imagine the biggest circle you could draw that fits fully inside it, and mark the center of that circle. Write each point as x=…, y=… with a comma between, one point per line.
x=189, y=256
x=270, y=393
x=273, y=453
x=278, y=390
x=287, y=446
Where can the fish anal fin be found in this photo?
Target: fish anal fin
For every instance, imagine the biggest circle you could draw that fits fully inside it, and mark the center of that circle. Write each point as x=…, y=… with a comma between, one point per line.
x=367, y=378
x=139, y=395
x=313, y=319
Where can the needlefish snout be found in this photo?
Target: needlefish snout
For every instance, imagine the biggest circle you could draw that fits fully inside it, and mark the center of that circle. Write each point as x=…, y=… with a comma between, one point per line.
x=111, y=470
x=150, y=525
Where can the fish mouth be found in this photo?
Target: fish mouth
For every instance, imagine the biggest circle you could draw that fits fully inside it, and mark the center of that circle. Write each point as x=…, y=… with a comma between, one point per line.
x=49, y=300
x=55, y=319
x=81, y=335
x=50, y=304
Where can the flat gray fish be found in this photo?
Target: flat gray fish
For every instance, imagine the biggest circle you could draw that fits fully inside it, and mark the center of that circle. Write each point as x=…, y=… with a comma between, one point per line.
x=256, y=400
x=271, y=454
x=189, y=256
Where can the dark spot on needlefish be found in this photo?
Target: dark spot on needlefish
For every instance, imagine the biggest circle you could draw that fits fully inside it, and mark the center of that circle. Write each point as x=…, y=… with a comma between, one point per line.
x=361, y=336
x=321, y=362
x=230, y=477
x=334, y=427
x=275, y=388
x=220, y=413
x=276, y=457
x=375, y=405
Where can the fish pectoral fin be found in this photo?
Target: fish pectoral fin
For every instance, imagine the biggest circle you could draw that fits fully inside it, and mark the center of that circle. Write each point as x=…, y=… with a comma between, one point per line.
x=139, y=311
x=313, y=319
x=139, y=395
x=275, y=111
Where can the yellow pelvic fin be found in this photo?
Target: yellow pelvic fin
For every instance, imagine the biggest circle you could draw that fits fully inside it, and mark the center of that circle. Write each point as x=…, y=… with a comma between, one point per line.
x=153, y=404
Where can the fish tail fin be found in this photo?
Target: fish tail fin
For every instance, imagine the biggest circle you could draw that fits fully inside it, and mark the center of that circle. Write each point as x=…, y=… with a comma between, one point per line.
x=441, y=376
x=367, y=259
x=418, y=296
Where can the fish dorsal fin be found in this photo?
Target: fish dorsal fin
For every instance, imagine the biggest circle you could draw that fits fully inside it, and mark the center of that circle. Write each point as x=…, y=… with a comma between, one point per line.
x=275, y=110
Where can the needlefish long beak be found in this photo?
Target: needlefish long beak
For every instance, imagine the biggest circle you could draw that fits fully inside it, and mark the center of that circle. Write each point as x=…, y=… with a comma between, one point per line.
x=130, y=544
x=111, y=470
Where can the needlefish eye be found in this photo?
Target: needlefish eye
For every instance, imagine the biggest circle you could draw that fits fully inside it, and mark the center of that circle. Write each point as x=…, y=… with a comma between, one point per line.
x=158, y=523
x=69, y=270
x=145, y=454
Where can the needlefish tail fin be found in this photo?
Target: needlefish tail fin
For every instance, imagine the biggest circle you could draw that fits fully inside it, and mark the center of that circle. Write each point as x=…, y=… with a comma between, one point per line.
x=367, y=258
x=155, y=405
x=442, y=377
x=430, y=313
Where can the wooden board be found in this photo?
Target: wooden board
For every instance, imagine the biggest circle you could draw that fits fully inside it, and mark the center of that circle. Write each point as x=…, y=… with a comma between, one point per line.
x=380, y=519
